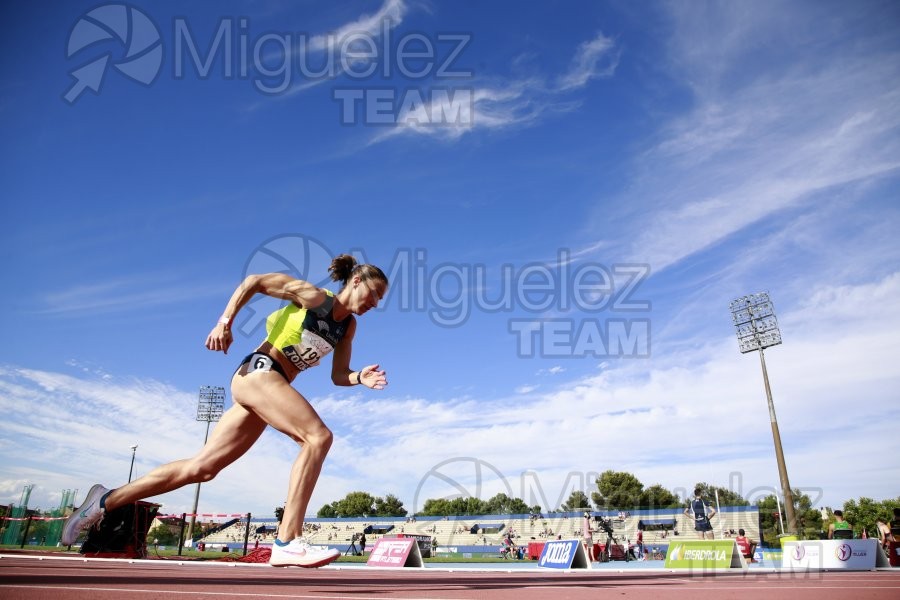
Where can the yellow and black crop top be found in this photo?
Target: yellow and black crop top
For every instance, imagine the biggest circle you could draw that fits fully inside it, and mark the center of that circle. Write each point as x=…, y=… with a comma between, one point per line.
x=303, y=335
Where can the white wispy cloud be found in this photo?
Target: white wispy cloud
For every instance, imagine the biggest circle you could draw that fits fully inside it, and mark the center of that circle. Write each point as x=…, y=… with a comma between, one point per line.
x=757, y=165
x=484, y=105
x=327, y=56
x=68, y=432
x=760, y=137
x=594, y=59
x=451, y=114
x=388, y=16
x=127, y=293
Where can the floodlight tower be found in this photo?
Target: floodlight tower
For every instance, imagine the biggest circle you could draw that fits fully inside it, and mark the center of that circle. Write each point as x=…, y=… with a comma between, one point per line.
x=131, y=469
x=757, y=329
x=209, y=409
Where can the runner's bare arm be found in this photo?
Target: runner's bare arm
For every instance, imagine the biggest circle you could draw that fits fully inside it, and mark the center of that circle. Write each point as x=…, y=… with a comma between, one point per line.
x=341, y=373
x=278, y=285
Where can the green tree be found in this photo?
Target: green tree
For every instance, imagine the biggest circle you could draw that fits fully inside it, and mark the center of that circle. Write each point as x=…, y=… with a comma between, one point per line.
x=163, y=535
x=356, y=504
x=468, y=506
x=863, y=513
x=37, y=529
x=517, y=506
x=436, y=507
x=656, y=496
x=497, y=505
x=439, y=507
x=577, y=500
x=389, y=506
x=617, y=490
x=768, y=520
x=326, y=512
x=501, y=504
x=809, y=520
x=726, y=496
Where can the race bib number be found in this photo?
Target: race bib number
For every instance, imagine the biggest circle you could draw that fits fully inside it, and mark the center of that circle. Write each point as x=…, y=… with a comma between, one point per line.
x=259, y=362
x=308, y=352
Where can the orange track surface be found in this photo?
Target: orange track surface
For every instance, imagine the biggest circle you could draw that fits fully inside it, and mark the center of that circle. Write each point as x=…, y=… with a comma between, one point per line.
x=46, y=578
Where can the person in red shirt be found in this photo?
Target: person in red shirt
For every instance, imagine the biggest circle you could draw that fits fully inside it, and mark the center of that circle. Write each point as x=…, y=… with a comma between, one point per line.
x=745, y=545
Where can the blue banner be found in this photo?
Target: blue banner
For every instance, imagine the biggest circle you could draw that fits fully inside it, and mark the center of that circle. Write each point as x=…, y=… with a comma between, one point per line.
x=563, y=554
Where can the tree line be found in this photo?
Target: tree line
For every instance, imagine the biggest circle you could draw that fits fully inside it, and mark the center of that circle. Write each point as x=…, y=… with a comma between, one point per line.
x=619, y=490
x=615, y=491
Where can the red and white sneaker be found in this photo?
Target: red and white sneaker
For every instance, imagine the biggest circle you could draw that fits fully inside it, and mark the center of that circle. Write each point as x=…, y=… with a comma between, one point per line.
x=298, y=553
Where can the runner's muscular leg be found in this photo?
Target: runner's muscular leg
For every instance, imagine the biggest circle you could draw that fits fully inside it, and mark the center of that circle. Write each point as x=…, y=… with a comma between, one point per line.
x=235, y=433
x=273, y=400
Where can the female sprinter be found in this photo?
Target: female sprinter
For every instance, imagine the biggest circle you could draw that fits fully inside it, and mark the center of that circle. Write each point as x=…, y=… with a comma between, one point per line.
x=314, y=323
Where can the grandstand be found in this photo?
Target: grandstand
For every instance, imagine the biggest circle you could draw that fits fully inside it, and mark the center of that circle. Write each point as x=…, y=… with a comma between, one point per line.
x=485, y=533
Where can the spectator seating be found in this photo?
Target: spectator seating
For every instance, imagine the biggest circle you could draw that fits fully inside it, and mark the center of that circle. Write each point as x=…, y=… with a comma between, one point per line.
x=456, y=532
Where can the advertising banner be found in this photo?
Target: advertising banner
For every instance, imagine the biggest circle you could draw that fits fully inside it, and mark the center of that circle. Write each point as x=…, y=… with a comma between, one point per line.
x=703, y=555
x=564, y=554
x=395, y=552
x=853, y=555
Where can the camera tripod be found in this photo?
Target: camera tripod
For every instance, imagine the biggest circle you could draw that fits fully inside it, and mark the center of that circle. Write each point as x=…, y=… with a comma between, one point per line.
x=610, y=540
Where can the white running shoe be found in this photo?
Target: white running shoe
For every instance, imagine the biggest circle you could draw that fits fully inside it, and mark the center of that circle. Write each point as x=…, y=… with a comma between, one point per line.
x=85, y=516
x=299, y=553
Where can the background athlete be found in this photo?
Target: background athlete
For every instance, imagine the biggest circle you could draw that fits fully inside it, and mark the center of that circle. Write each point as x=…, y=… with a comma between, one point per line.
x=701, y=511
x=314, y=322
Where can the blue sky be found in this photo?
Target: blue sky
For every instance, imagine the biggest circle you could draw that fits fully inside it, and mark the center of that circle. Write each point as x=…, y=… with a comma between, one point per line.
x=567, y=196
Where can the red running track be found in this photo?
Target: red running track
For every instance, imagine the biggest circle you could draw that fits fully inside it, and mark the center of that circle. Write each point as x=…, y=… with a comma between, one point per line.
x=45, y=578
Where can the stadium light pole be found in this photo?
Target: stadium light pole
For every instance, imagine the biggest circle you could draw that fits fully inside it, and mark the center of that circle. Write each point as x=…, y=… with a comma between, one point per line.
x=757, y=329
x=209, y=409
x=131, y=468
